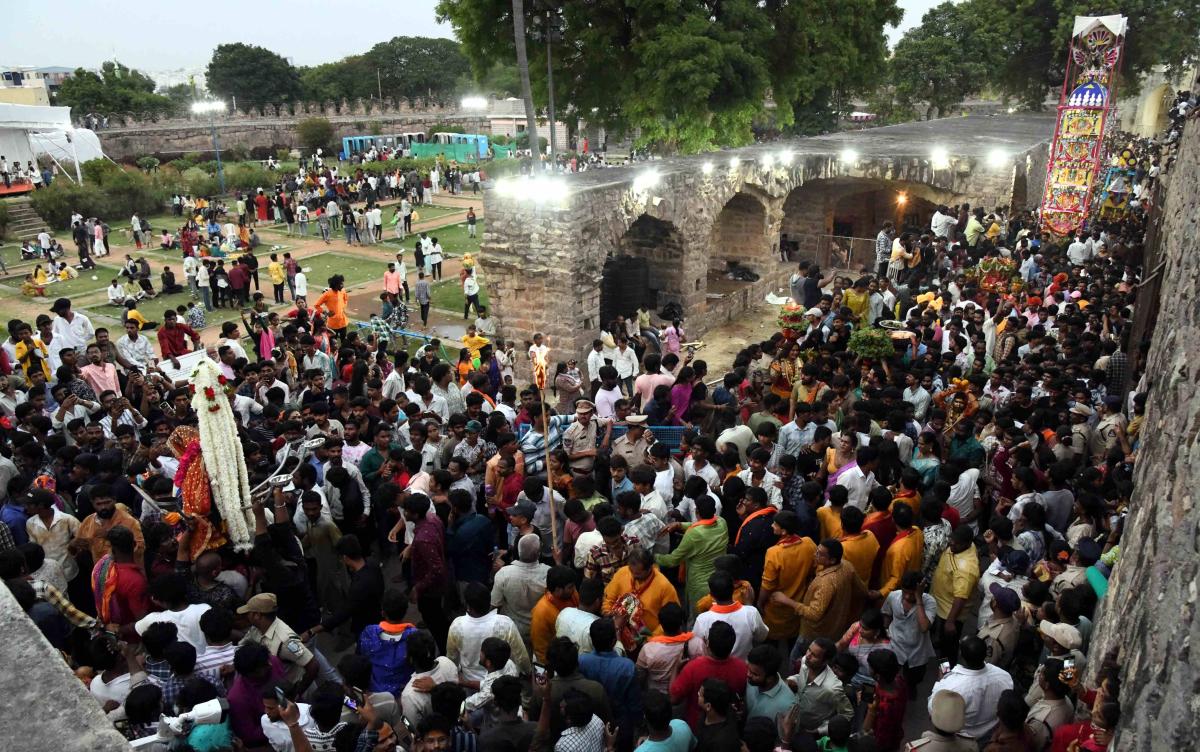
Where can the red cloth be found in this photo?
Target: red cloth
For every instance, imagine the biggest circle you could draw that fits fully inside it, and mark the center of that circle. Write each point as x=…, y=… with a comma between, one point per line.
x=260, y=205
x=131, y=596
x=239, y=277
x=889, y=716
x=173, y=340
x=429, y=556
x=686, y=685
x=883, y=527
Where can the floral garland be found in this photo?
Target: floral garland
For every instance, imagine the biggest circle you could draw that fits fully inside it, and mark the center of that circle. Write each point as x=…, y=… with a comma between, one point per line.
x=222, y=452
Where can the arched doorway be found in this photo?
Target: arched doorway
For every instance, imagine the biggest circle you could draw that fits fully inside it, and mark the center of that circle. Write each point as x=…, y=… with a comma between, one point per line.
x=739, y=236
x=647, y=267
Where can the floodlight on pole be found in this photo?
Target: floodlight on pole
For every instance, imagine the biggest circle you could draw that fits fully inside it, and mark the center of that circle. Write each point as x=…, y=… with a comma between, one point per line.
x=939, y=158
x=734, y=162
x=645, y=181
x=706, y=168
x=474, y=103
x=997, y=158
x=849, y=156
x=767, y=161
x=785, y=157
x=211, y=107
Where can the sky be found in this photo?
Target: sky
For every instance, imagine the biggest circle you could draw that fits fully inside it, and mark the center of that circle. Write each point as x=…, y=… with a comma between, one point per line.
x=152, y=35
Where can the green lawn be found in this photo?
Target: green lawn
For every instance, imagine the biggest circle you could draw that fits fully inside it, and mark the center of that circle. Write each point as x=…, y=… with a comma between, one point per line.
x=453, y=238
x=448, y=296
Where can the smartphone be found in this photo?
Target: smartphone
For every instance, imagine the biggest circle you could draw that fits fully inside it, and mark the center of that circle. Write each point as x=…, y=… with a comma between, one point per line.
x=944, y=667
x=1069, y=665
x=539, y=673
x=280, y=697
x=350, y=703
x=354, y=697
x=164, y=407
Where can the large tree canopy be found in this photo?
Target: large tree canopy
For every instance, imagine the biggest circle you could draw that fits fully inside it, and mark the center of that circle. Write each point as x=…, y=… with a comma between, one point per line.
x=418, y=69
x=116, y=90
x=252, y=75
x=1019, y=47
x=688, y=74
x=948, y=57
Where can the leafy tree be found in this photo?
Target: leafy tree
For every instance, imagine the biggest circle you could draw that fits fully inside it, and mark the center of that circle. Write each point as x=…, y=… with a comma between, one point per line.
x=348, y=78
x=315, y=133
x=502, y=80
x=182, y=96
x=948, y=57
x=251, y=75
x=116, y=90
x=689, y=74
x=418, y=69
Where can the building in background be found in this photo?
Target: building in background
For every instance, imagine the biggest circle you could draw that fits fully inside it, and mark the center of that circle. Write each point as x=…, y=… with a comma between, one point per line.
x=51, y=76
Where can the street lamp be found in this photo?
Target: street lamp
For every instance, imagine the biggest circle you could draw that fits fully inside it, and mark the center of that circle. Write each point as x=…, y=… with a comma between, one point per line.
x=211, y=108
x=551, y=26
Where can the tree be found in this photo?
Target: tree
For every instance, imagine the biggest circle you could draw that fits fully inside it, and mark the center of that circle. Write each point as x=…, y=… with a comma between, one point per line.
x=688, y=74
x=348, y=78
x=116, y=90
x=518, y=14
x=251, y=75
x=418, y=69
x=315, y=133
x=182, y=96
x=502, y=80
x=945, y=59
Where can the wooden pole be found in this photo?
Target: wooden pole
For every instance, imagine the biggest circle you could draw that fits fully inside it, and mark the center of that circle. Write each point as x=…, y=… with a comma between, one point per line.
x=549, y=472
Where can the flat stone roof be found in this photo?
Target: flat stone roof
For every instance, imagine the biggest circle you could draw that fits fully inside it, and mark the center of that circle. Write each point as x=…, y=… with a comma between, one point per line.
x=971, y=136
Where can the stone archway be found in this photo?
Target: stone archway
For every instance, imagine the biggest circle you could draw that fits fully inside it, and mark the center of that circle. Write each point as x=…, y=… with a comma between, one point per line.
x=740, y=234
x=647, y=267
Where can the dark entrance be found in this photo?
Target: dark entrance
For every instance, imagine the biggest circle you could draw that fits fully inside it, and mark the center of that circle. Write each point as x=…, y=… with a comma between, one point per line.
x=646, y=267
x=625, y=286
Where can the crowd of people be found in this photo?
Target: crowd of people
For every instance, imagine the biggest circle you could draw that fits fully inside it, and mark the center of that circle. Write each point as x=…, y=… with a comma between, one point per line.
x=635, y=556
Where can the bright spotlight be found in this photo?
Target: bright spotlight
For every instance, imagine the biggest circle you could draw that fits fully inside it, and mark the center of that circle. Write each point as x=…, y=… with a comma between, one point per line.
x=474, y=103
x=902, y=198
x=706, y=168
x=645, y=181
x=849, y=156
x=208, y=107
x=997, y=158
x=1011, y=110
x=785, y=157
x=734, y=162
x=767, y=161
x=940, y=158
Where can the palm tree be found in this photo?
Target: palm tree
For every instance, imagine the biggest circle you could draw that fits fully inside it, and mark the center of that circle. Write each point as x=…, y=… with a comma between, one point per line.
x=518, y=10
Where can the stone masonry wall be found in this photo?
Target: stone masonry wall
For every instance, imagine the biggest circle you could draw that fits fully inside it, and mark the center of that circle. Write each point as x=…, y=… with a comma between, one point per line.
x=1150, y=611
x=178, y=138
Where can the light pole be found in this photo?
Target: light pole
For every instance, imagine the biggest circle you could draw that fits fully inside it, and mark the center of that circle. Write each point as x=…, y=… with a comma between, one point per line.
x=211, y=108
x=550, y=27
x=477, y=105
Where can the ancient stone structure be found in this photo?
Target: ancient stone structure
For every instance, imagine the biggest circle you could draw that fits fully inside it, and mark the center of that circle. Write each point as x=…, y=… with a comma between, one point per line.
x=269, y=128
x=1150, y=612
x=666, y=231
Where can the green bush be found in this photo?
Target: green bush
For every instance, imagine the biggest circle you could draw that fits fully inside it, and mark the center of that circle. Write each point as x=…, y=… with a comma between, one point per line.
x=235, y=154
x=315, y=133
x=210, y=166
x=391, y=165
x=194, y=157
x=55, y=203
x=248, y=177
x=197, y=182
x=283, y=154
x=182, y=164
x=148, y=163
x=99, y=171
x=119, y=196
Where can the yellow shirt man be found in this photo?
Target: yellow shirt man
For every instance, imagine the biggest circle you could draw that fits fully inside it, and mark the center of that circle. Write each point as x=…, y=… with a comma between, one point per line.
x=904, y=555
x=787, y=568
x=655, y=593
x=859, y=551
x=275, y=270
x=956, y=576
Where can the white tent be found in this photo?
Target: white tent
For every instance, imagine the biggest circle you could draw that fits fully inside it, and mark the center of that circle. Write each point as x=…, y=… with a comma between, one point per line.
x=20, y=124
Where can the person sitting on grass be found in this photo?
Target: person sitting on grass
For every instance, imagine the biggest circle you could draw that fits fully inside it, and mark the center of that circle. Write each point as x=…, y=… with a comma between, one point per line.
x=31, y=289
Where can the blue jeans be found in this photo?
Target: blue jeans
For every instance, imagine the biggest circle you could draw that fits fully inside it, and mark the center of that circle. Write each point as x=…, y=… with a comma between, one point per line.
x=206, y=296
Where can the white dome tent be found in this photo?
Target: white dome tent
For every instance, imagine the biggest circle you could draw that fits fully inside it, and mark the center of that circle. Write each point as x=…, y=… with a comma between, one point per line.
x=29, y=131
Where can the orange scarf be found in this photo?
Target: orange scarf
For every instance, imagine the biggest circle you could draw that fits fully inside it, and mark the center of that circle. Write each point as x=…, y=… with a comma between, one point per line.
x=704, y=523
x=671, y=639
x=718, y=608
x=391, y=627
x=901, y=534
x=789, y=540
x=760, y=513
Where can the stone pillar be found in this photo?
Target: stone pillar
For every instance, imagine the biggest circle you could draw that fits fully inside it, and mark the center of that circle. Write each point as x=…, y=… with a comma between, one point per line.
x=45, y=706
x=1150, y=611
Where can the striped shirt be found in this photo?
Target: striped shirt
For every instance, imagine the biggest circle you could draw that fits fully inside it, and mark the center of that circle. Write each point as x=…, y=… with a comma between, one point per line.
x=533, y=444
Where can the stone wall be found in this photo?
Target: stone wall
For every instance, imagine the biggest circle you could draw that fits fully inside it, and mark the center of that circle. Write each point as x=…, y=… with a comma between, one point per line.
x=546, y=262
x=1150, y=612
x=175, y=138
x=45, y=707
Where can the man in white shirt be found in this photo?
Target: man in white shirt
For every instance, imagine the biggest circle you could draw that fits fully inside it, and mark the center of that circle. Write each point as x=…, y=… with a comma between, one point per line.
x=979, y=683
x=467, y=633
x=116, y=294
x=71, y=329
x=136, y=349
x=748, y=626
x=608, y=393
x=1079, y=253
x=300, y=281
x=916, y=395
x=169, y=592
x=859, y=480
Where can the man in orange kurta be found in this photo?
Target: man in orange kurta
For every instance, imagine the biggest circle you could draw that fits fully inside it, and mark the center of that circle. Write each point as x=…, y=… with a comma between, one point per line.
x=334, y=301
x=560, y=593
x=859, y=546
x=787, y=569
x=644, y=580
x=905, y=553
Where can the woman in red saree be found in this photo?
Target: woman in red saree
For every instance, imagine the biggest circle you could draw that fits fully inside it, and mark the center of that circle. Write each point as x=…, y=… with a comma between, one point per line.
x=260, y=206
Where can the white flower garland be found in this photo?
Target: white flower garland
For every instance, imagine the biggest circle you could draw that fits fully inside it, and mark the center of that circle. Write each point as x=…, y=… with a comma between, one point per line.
x=222, y=451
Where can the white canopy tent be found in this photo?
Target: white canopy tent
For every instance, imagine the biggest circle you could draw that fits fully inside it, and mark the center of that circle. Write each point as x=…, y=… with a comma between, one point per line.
x=24, y=130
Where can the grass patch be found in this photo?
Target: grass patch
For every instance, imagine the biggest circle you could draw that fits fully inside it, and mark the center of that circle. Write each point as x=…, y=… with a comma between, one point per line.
x=453, y=238
x=448, y=296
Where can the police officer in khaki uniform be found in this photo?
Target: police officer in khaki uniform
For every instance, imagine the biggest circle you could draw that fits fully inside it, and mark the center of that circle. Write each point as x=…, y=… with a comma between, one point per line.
x=1002, y=630
x=275, y=635
x=1111, y=428
x=1081, y=432
x=633, y=445
x=579, y=440
x=948, y=715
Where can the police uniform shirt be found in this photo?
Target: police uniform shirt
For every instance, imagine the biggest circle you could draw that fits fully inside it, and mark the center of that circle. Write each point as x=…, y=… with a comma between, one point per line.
x=932, y=741
x=633, y=452
x=1000, y=635
x=285, y=645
